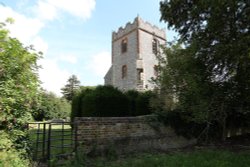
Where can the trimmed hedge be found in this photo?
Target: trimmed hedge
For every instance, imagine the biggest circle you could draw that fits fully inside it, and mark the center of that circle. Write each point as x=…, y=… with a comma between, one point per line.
x=107, y=101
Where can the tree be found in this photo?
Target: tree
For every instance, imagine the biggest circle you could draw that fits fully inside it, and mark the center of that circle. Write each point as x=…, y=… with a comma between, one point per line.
x=18, y=80
x=70, y=88
x=50, y=106
x=18, y=93
x=183, y=99
x=213, y=81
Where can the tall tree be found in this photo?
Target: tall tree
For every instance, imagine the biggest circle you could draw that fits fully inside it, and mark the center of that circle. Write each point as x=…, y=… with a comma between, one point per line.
x=70, y=88
x=50, y=106
x=216, y=35
x=18, y=92
x=18, y=80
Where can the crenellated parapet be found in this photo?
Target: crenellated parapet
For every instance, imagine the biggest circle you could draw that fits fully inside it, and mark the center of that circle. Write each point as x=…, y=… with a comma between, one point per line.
x=134, y=60
x=138, y=23
x=153, y=29
x=125, y=30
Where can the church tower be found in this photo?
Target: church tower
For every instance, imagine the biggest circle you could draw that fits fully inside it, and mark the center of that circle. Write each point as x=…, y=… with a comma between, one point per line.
x=134, y=50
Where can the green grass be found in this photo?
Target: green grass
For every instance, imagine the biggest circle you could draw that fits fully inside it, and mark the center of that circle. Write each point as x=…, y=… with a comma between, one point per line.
x=205, y=158
x=56, y=133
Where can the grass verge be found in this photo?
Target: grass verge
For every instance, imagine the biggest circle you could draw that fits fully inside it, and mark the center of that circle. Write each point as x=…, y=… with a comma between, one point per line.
x=60, y=140
x=199, y=158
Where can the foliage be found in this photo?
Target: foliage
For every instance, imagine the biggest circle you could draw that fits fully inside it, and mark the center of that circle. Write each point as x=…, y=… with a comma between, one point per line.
x=9, y=156
x=50, y=106
x=18, y=92
x=139, y=102
x=209, y=78
x=77, y=100
x=143, y=103
x=132, y=95
x=107, y=101
x=104, y=101
x=180, y=103
x=18, y=80
x=70, y=88
x=197, y=158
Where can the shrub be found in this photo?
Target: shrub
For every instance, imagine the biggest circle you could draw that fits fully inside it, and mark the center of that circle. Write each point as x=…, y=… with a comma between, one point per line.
x=142, y=103
x=183, y=125
x=104, y=101
x=132, y=96
x=50, y=106
x=75, y=108
x=107, y=101
x=9, y=155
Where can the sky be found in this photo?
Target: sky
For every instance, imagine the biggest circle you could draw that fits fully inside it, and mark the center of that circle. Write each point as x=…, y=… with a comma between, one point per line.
x=75, y=35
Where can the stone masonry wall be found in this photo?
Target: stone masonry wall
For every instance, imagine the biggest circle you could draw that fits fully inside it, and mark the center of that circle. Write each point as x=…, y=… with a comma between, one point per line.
x=148, y=57
x=108, y=79
x=138, y=57
x=126, y=134
x=128, y=59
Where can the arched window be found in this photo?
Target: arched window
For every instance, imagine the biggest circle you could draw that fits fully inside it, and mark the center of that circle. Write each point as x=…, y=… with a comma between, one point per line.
x=124, y=45
x=124, y=71
x=155, y=46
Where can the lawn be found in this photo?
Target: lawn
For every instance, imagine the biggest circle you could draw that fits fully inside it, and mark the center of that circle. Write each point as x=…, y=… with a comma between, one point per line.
x=56, y=142
x=199, y=158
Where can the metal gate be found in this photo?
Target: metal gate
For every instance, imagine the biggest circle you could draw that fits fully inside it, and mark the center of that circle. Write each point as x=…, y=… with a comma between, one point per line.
x=52, y=141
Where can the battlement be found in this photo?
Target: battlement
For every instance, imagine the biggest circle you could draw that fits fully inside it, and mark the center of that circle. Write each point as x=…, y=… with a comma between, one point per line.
x=134, y=46
x=138, y=23
x=123, y=31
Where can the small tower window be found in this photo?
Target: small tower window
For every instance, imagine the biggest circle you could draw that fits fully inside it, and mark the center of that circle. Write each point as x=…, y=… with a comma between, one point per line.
x=155, y=46
x=140, y=76
x=124, y=45
x=124, y=71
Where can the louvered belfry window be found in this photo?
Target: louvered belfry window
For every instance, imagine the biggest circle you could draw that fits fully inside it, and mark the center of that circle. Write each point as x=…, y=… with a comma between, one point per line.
x=124, y=71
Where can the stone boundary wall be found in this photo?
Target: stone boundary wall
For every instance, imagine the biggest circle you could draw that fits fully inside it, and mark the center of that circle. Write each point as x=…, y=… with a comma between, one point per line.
x=126, y=134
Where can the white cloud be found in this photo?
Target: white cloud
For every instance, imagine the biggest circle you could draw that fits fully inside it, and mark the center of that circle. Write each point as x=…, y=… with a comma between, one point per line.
x=53, y=78
x=100, y=63
x=70, y=58
x=45, y=11
x=40, y=45
x=24, y=28
x=49, y=9
x=79, y=8
x=27, y=30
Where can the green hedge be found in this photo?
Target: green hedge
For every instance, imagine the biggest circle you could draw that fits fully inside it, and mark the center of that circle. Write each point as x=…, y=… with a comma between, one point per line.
x=10, y=155
x=107, y=101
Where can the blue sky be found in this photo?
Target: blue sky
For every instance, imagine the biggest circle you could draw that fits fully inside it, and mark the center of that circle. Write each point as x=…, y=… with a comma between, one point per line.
x=75, y=35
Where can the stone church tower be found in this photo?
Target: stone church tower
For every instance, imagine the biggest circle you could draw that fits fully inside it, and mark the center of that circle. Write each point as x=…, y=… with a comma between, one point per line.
x=134, y=50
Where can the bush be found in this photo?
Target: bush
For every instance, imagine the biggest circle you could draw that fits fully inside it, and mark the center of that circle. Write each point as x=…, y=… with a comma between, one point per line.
x=139, y=102
x=50, y=106
x=142, y=103
x=107, y=101
x=182, y=124
x=132, y=98
x=75, y=106
x=9, y=155
x=104, y=101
